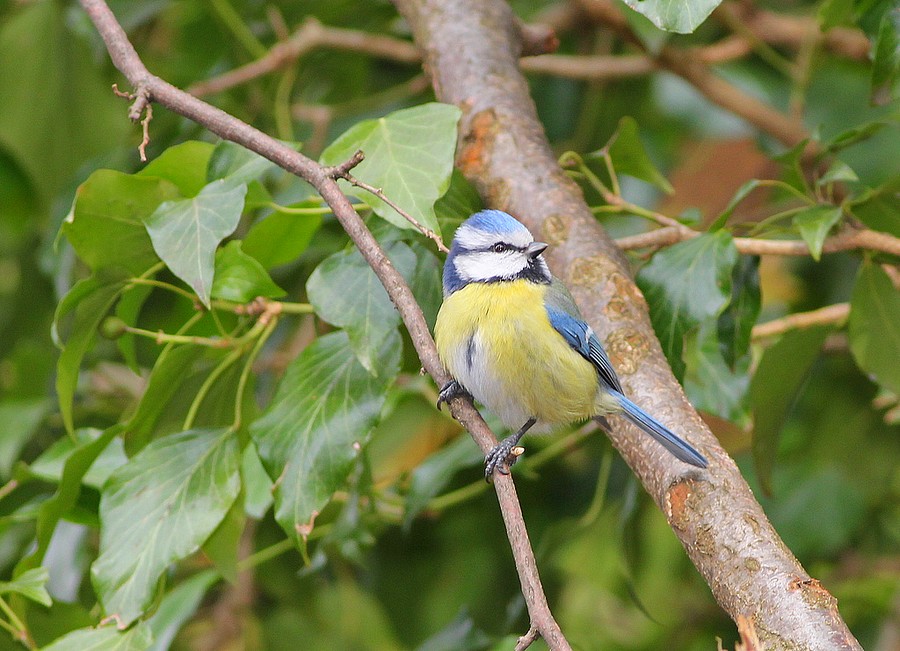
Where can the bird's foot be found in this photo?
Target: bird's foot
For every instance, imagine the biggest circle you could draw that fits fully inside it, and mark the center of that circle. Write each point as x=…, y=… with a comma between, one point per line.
x=449, y=391
x=502, y=456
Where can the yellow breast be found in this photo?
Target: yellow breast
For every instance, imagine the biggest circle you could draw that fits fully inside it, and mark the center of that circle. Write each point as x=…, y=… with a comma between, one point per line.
x=497, y=341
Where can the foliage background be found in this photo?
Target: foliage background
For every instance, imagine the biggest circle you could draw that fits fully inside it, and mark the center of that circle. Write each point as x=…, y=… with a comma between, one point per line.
x=373, y=577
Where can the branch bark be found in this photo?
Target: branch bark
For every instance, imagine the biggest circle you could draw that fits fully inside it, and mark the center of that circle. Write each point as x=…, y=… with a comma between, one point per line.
x=470, y=50
x=149, y=88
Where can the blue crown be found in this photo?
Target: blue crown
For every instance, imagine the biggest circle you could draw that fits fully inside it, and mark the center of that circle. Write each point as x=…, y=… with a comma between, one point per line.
x=494, y=221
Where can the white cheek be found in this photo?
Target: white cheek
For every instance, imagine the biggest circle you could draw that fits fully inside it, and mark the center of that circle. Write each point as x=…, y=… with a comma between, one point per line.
x=481, y=266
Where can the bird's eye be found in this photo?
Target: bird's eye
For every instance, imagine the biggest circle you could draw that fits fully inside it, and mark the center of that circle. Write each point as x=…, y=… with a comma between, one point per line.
x=500, y=247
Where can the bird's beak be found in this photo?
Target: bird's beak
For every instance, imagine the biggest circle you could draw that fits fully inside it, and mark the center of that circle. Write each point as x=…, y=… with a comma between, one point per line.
x=534, y=249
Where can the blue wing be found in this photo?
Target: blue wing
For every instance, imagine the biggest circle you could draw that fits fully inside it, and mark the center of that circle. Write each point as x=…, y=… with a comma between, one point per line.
x=566, y=320
x=581, y=337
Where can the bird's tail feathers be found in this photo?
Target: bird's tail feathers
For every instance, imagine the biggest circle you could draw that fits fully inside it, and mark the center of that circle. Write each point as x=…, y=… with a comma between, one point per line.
x=680, y=448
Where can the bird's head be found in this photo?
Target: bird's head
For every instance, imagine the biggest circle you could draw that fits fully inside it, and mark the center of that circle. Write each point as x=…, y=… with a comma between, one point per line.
x=492, y=246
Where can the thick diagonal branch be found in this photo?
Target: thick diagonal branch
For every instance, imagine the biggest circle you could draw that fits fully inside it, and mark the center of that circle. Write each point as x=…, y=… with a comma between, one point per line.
x=470, y=49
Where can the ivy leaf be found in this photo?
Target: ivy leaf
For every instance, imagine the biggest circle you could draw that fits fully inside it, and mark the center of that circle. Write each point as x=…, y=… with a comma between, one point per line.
x=409, y=155
x=629, y=156
x=88, y=449
x=685, y=285
x=681, y=16
x=105, y=225
x=182, y=164
x=106, y=638
x=345, y=291
x=91, y=299
x=185, y=233
x=30, y=584
x=236, y=163
x=814, y=223
x=317, y=423
x=774, y=389
x=879, y=208
x=177, y=607
x=158, y=508
x=712, y=383
x=281, y=237
x=736, y=322
x=873, y=326
x=455, y=206
x=240, y=278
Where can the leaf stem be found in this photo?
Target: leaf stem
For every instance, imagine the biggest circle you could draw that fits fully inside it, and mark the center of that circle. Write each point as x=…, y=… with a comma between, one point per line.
x=15, y=625
x=153, y=282
x=248, y=365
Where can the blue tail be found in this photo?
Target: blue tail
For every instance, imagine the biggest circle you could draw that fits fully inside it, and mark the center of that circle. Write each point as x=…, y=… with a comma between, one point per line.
x=680, y=448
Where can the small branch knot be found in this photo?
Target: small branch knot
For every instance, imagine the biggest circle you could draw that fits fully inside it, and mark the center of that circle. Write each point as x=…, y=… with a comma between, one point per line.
x=342, y=170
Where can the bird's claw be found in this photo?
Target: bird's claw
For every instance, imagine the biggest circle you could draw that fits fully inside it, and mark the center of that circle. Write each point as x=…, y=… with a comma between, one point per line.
x=502, y=457
x=449, y=391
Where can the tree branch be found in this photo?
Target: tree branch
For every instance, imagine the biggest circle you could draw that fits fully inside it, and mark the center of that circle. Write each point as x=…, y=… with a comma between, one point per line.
x=504, y=151
x=847, y=240
x=126, y=59
x=832, y=314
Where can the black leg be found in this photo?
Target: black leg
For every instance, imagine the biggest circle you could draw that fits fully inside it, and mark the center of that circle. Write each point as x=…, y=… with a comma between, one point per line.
x=451, y=390
x=501, y=457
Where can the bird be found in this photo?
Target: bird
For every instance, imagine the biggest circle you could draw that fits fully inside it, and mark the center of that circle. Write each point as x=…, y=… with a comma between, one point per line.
x=511, y=336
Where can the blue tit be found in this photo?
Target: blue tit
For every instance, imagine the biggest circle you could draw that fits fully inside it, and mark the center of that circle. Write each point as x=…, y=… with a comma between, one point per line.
x=511, y=336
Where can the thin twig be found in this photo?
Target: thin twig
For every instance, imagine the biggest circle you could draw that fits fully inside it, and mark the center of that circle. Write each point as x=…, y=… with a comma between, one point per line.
x=378, y=192
x=832, y=314
x=848, y=240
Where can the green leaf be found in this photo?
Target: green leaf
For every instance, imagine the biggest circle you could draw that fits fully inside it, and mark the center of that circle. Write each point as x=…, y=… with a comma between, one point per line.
x=281, y=237
x=30, y=584
x=774, y=389
x=886, y=59
x=838, y=171
x=157, y=509
x=814, y=224
x=128, y=309
x=855, y=134
x=629, y=156
x=185, y=233
x=50, y=465
x=736, y=322
x=459, y=202
x=874, y=326
x=879, y=208
x=685, y=285
x=712, y=383
x=19, y=418
x=222, y=545
x=95, y=297
x=236, y=163
x=177, y=607
x=76, y=467
x=681, y=16
x=106, y=227
x=317, y=423
x=345, y=291
x=106, y=638
x=240, y=278
x=184, y=165
x=171, y=370
x=741, y=194
x=409, y=155
x=256, y=482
